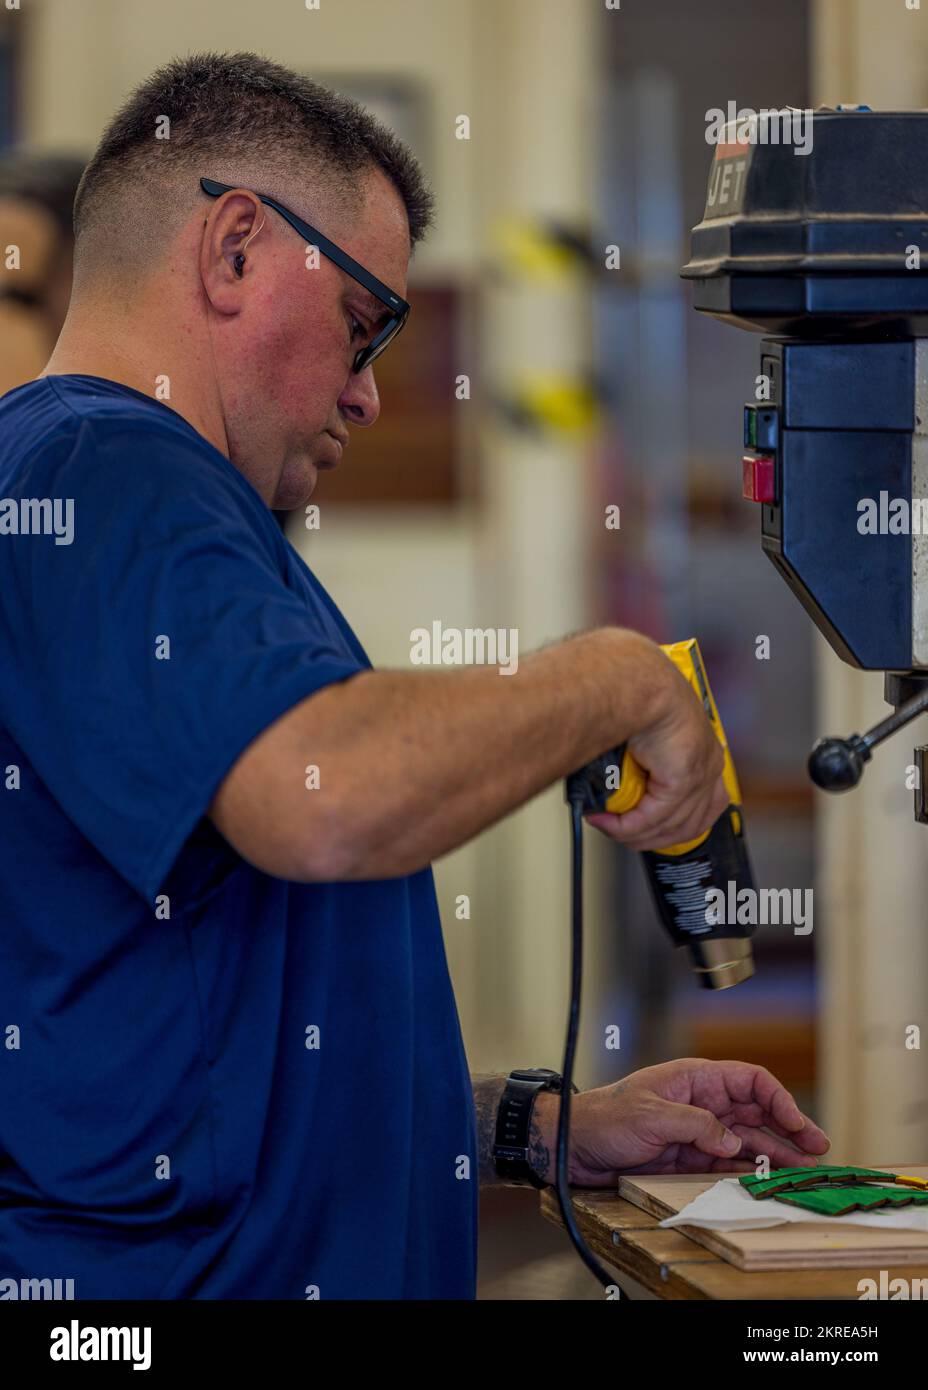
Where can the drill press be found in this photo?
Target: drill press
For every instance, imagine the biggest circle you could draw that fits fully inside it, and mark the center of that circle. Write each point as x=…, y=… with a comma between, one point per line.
x=820, y=249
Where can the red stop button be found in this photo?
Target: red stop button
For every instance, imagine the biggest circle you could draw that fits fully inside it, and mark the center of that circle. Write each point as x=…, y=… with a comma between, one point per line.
x=758, y=478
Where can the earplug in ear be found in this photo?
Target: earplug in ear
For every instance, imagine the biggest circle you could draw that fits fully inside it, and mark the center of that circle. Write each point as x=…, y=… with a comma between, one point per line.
x=239, y=260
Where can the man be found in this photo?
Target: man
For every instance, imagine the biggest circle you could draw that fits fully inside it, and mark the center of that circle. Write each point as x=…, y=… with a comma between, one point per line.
x=234, y=1067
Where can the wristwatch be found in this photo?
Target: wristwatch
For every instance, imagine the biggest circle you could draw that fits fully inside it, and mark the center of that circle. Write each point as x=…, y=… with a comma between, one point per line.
x=514, y=1120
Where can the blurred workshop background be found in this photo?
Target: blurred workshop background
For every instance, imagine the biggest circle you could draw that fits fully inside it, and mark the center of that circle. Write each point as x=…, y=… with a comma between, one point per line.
x=533, y=389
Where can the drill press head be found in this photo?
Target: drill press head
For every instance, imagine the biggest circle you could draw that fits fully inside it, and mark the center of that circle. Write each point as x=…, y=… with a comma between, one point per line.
x=819, y=244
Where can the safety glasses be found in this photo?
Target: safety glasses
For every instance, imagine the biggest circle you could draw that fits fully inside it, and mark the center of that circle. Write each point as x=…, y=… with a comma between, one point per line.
x=397, y=307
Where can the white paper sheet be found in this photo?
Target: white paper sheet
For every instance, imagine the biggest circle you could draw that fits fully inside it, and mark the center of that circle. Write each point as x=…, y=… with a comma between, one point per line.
x=727, y=1206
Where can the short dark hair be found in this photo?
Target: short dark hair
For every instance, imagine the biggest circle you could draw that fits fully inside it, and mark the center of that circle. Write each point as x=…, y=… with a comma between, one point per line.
x=233, y=117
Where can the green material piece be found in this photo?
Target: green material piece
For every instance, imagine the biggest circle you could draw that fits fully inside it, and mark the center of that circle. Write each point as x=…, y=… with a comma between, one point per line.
x=795, y=1179
x=838, y=1201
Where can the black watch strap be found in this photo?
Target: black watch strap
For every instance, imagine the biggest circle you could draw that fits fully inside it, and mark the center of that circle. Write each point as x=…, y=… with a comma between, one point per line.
x=514, y=1120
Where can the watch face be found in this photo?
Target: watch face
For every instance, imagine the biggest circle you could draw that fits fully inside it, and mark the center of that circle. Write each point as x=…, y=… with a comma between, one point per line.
x=536, y=1074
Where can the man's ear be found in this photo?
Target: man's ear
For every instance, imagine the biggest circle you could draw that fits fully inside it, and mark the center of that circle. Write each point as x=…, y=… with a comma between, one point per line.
x=237, y=220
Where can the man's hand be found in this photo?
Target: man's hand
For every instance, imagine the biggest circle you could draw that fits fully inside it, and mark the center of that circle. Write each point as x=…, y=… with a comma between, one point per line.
x=687, y=1116
x=683, y=758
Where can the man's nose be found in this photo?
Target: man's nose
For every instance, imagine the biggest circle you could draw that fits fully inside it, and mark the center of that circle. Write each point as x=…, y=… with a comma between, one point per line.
x=359, y=400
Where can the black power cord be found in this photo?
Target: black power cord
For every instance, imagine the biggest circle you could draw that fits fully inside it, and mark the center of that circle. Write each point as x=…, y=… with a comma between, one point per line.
x=573, y=1020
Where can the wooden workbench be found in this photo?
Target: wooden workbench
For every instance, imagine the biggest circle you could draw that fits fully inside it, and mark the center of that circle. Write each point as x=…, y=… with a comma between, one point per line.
x=670, y=1265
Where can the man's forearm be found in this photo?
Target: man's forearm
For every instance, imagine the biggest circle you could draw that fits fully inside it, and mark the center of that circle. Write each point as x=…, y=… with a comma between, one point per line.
x=488, y=1092
x=424, y=761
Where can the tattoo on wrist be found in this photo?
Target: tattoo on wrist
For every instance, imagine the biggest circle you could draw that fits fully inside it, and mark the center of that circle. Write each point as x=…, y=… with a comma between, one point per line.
x=539, y=1155
x=488, y=1092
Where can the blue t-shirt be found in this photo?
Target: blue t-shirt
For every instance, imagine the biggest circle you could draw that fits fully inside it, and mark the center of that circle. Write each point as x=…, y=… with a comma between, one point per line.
x=265, y=1092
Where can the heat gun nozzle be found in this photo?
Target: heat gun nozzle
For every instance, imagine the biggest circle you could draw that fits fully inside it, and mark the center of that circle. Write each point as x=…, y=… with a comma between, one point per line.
x=722, y=961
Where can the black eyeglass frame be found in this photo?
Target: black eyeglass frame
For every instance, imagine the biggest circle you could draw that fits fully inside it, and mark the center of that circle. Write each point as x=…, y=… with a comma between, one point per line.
x=399, y=308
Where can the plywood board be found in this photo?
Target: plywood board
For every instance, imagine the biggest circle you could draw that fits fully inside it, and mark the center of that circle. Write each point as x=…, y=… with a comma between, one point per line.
x=798, y=1245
